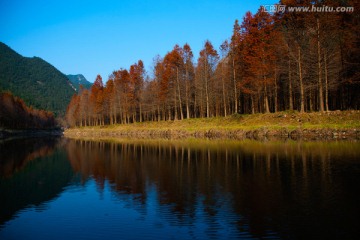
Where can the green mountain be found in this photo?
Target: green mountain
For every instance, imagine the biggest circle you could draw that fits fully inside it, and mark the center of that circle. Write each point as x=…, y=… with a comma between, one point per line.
x=77, y=80
x=34, y=80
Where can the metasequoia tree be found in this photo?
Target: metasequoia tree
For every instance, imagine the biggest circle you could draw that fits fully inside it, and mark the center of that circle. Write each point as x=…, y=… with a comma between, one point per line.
x=271, y=62
x=259, y=56
x=173, y=68
x=222, y=71
x=187, y=56
x=206, y=68
x=137, y=72
x=235, y=59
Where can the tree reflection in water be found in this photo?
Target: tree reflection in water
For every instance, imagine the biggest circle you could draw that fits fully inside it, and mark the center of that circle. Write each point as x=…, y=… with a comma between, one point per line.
x=16, y=153
x=291, y=189
x=32, y=172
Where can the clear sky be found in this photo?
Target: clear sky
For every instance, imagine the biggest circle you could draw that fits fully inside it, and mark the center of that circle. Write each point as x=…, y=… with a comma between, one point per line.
x=97, y=37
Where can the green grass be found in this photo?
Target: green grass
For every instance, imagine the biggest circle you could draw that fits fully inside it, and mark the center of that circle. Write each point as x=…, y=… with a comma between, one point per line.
x=272, y=121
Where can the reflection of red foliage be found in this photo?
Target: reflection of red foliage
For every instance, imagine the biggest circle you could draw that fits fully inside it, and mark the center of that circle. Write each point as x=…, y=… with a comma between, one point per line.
x=15, y=155
x=14, y=114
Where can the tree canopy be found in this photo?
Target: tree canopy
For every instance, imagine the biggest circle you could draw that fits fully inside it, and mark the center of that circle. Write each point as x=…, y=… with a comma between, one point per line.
x=271, y=62
x=14, y=114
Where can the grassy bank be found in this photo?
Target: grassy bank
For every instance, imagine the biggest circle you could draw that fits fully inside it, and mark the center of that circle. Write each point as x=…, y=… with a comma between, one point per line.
x=329, y=124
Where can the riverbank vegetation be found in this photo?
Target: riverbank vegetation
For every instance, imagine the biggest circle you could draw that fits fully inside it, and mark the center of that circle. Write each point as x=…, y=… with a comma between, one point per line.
x=287, y=61
x=335, y=124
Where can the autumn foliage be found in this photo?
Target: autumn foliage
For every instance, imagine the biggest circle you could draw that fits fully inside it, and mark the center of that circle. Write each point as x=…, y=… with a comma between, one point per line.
x=14, y=114
x=272, y=62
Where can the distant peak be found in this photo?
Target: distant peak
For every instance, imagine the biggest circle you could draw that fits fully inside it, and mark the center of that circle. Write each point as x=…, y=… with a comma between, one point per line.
x=77, y=80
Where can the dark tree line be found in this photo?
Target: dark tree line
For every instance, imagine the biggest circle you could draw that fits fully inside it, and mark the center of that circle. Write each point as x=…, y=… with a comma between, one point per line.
x=14, y=114
x=272, y=62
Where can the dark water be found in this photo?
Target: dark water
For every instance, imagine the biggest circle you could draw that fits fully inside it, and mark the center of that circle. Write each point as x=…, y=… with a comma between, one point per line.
x=192, y=189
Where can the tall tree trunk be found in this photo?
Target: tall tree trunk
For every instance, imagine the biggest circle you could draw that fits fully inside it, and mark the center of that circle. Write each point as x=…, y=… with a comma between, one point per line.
x=200, y=98
x=206, y=93
x=291, y=103
x=276, y=93
x=178, y=86
x=223, y=87
x=175, y=106
x=235, y=87
x=311, y=101
x=260, y=107
x=158, y=113
x=110, y=117
x=321, y=97
x=121, y=112
x=326, y=83
x=140, y=108
x=169, y=113
x=266, y=98
x=115, y=114
x=195, y=105
x=302, y=95
x=187, y=93
x=252, y=104
x=201, y=107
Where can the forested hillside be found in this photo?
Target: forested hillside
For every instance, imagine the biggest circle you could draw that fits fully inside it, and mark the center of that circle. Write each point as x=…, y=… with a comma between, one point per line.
x=34, y=80
x=271, y=62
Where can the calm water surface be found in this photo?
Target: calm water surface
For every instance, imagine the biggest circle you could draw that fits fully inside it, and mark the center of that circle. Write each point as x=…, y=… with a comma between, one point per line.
x=189, y=189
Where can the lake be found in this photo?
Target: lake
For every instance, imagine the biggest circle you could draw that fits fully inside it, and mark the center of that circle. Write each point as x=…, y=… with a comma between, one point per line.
x=179, y=189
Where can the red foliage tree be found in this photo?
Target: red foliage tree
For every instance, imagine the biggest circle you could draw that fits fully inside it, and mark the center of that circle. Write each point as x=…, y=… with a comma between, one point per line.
x=14, y=114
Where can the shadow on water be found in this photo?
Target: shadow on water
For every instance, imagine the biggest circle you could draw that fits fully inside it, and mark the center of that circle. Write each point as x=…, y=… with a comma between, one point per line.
x=32, y=171
x=288, y=189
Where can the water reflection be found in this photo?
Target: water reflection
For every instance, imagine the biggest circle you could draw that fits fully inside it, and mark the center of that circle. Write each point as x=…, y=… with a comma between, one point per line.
x=16, y=153
x=243, y=189
x=32, y=171
x=182, y=189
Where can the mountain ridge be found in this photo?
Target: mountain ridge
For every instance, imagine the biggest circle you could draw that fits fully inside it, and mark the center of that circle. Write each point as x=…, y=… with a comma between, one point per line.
x=34, y=80
x=77, y=80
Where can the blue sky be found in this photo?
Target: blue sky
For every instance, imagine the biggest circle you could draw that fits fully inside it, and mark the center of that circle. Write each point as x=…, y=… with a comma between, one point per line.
x=97, y=37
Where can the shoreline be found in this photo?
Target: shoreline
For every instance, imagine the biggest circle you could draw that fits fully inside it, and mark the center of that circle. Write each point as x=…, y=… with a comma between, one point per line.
x=281, y=125
x=257, y=134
